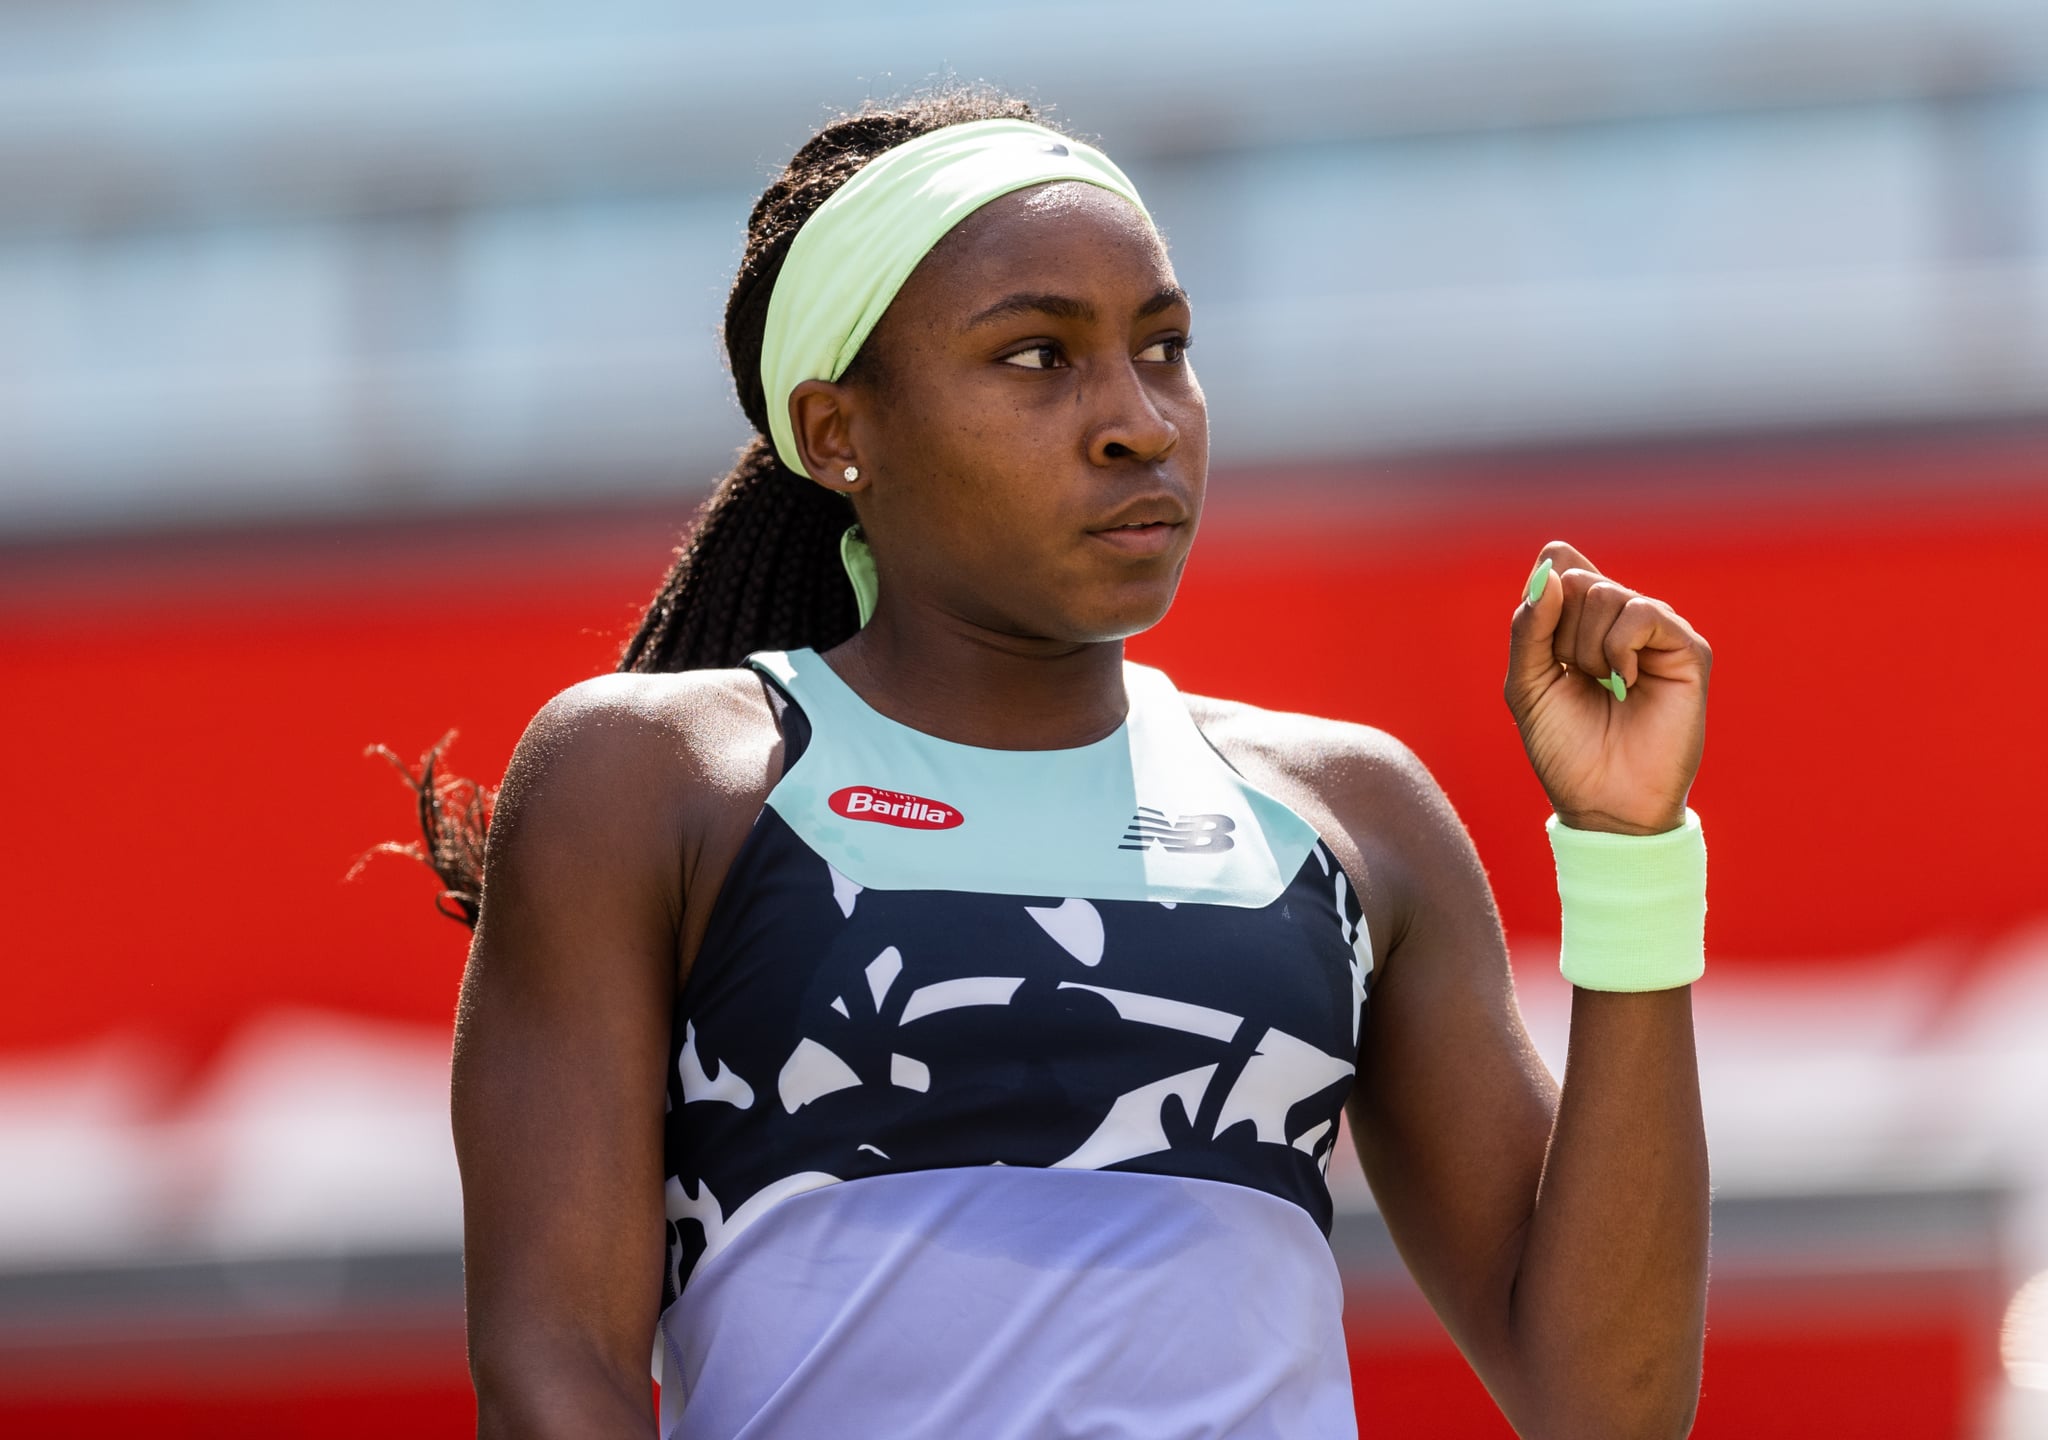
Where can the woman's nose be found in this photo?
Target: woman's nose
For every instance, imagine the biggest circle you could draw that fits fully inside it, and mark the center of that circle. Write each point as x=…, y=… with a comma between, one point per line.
x=1130, y=424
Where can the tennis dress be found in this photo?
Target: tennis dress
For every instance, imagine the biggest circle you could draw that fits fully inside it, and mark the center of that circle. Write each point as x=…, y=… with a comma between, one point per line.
x=1002, y=1092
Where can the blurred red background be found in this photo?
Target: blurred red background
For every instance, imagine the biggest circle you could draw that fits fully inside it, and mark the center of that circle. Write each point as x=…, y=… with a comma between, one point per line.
x=185, y=776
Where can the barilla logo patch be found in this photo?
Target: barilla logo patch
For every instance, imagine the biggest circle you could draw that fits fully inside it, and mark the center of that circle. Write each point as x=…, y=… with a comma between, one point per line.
x=893, y=807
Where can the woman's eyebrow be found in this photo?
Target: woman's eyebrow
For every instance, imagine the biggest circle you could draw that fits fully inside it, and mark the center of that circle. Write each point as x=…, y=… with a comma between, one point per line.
x=1060, y=307
x=1168, y=297
x=1066, y=307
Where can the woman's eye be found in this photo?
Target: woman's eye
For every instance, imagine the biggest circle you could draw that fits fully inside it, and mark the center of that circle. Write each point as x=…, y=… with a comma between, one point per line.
x=1168, y=352
x=1038, y=357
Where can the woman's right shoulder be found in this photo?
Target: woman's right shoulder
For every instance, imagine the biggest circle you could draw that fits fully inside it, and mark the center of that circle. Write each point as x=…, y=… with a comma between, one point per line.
x=693, y=708
x=683, y=739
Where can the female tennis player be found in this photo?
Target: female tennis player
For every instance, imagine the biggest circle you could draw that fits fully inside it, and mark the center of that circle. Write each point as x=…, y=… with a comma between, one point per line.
x=904, y=1016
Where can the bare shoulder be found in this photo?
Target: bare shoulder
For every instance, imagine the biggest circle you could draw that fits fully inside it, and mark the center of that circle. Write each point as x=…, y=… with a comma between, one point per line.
x=643, y=774
x=695, y=728
x=1368, y=795
x=1359, y=771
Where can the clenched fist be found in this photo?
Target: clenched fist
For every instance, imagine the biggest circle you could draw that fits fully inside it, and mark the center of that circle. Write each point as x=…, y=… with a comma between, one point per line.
x=1609, y=688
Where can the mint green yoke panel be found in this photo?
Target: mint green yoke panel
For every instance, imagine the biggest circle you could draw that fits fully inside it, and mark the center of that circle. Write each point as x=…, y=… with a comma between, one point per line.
x=1148, y=812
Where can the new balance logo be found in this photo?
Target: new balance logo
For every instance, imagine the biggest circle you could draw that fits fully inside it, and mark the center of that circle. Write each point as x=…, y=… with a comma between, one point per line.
x=1151, y=830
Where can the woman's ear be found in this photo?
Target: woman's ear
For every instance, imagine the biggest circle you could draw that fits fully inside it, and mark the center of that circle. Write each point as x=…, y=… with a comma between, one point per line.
x=821, y=414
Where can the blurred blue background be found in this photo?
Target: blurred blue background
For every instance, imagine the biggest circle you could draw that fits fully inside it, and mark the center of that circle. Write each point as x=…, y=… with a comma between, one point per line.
x=293, y=258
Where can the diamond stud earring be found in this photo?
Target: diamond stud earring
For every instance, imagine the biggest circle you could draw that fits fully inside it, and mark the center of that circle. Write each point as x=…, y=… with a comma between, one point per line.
x=851, y=474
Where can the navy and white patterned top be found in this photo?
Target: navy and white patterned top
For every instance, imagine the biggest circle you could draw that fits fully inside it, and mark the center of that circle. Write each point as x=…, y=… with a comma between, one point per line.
x=1002, y=1092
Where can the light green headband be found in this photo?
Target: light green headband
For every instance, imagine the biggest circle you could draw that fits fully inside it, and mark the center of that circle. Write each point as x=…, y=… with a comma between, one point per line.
x=854, y=253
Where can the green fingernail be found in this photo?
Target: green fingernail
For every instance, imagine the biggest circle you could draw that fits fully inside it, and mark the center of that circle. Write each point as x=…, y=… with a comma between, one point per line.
x=1538, y=578
x=1616, y=686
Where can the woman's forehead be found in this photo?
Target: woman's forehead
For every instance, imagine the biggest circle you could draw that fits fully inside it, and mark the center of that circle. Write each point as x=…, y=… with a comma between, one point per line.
x=1047, y=236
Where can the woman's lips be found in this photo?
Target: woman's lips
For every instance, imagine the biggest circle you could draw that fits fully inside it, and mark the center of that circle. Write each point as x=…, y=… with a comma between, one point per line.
x=1139, y=540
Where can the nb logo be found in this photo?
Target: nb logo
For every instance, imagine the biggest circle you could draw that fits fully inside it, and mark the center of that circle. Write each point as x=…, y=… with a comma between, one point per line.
x=1151, y=830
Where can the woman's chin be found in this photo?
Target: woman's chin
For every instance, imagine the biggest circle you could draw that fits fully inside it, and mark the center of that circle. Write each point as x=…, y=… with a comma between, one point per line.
x=1122, y=616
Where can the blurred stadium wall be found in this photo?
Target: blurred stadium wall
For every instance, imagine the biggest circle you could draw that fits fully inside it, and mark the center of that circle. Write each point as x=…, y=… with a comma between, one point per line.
x=358, y=366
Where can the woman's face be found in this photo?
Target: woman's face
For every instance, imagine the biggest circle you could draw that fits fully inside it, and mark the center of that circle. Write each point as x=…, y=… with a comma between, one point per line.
x=1032, y=440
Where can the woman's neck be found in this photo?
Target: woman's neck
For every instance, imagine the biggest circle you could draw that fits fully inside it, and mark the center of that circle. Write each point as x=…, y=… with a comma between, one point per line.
x=973, y=686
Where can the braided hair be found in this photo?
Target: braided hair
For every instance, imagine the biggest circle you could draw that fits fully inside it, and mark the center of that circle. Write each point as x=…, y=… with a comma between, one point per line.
x=760, y=569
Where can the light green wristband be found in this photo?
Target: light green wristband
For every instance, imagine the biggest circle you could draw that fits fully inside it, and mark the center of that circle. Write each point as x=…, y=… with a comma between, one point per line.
x=1635, y=907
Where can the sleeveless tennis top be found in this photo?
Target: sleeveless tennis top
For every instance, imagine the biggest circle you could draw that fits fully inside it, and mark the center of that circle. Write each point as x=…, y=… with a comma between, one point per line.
x=1002, y=1091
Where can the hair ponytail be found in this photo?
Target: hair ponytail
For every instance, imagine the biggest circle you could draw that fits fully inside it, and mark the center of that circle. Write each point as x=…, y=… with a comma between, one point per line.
x=760, y=571
x=761, y=568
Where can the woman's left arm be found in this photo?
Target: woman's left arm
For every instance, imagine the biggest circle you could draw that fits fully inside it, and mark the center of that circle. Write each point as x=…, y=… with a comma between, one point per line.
x=1562, y=1237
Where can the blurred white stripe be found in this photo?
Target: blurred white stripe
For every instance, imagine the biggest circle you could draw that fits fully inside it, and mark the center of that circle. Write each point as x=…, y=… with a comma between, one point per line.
x=316, y=1133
